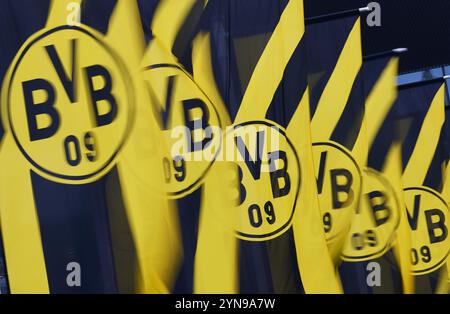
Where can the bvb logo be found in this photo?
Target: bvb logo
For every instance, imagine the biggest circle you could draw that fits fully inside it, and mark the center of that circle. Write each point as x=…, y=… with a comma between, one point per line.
x=269, y=179
x=373, y=227
x=68, y=104
x=190, y=123
x=428, y=217
x=339, y=185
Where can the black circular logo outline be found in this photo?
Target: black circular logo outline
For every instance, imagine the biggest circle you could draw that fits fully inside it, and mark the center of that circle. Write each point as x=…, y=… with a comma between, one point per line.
x=442, y=261
x=348, y=154
x=203, y=175
x=130, y=96
x=389, y=243
x=297, y=159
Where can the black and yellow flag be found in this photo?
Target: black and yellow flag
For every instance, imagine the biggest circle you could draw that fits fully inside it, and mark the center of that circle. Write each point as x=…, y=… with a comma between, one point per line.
x=379, y=237
x=251, y=57
x=192, y=126
x=420, y=112
x=175, y=23
x=337, y=110
x=444, y=283
x=75, y=194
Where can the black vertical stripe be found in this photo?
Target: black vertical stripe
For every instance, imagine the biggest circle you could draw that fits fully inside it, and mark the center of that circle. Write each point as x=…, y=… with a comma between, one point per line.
x=411, y=126
x=124, y=249
x=239, y=32
x=147, y=9
x=269, y=266
x=283, y=264
x=412, y=105
x=97, y=14
x=391, y=274
x=182, y=47
x=373, y=71
x=427, y=284
x=16, y=25
x=447, y=133
x=382, y=143
x=354, y=276
x=189, y=216
x=254, y=268
x=325, y=42
x=74, y=227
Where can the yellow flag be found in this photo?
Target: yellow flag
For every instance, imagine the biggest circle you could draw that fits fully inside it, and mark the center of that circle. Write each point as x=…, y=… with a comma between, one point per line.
x=420, y=110
x=80, y=160
x=379, y=235
x=279, y=239
x=337, y=126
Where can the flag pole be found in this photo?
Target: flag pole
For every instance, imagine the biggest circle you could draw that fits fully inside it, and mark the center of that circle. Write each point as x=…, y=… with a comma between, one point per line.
x=364, y=10
x=336, y=15
x=393, y=52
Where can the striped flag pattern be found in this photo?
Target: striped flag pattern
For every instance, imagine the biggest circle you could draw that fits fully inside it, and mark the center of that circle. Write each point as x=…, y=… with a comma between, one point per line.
x=210, y=146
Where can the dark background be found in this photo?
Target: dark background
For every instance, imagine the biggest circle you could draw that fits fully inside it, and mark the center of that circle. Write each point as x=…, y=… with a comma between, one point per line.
x=423, y=26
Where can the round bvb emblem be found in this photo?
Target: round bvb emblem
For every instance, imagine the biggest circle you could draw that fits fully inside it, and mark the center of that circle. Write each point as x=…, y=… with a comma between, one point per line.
x=428, y=217
x=339, y=184
x=373, y=227
x=269, y=177
x=68, y=104
x=190, y=124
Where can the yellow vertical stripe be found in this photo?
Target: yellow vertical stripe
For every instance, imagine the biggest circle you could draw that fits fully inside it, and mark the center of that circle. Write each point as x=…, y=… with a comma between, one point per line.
x=360, y=150
x=334, y=98
x=216, y=269
x=20, y=225
x=332, y=104
x=377, y=106
x=444, y=281
x=446, y=187
x=270, y=68
x=315, y=265
x=425, y=148
x=393, y=171
x=154, y=223
x=19, y=222
x=381, y=99
x=216, y=258
x=126, y=34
